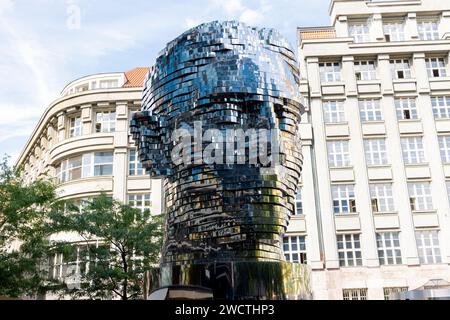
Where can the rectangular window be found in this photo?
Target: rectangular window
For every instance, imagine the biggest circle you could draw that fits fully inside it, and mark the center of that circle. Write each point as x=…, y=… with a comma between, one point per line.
x=355, y=294
x=420, y=196
x=298, y=203
x=69, y=169
x=140, y=201
x=428, y=29
x=391, y=290
x=444, y=145
x=294, y=248
x=375, y=150
x=107, y=84
x=369, y=110
x=401, y=68
x=381, y=197
x=412, y=149
x=343, y=198
x=349, y=250
x=75, y=126
x=330, y=71
x=333, y=111
x=365, y=70
x=441, y=107
x=338, y=153
x=406, y=108
x=436, y=67
x=105, y=121
x=97, y=164
x=394, y=31
x=388, y=245
x=428, y=246
x=359, y=31
x=134, y=165
x=447, y=183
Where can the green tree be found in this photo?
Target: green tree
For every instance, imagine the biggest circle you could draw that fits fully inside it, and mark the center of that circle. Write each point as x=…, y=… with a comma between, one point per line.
x=23, y=210
x=120, y=244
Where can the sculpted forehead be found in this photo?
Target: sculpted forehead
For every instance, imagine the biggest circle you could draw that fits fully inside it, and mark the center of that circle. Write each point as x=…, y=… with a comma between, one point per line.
x=220, y=58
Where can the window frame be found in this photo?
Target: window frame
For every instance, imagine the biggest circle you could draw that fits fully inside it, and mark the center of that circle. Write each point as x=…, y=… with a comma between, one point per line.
x=420, y=196
x=330, y=71
x=107, y=125
x=382, y=193
x=75, y=129
x=333, y=111
x=444, y=148
x=406, y=109
x=359, y=31
x=338, y=152
x=401, y=65
x=439, y=70
x=375, y=151
x=135, y=168
x=367, y=70
x=441, y=107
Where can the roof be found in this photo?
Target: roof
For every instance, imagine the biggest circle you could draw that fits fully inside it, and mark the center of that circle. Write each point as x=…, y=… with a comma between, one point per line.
x=317, y=33
x=135, y=77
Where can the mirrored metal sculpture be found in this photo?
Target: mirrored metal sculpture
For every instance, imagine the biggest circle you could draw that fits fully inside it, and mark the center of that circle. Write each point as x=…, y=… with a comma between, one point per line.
x=219, y=122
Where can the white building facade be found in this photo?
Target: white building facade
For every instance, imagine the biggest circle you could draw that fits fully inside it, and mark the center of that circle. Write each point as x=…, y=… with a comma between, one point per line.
x=373, y=211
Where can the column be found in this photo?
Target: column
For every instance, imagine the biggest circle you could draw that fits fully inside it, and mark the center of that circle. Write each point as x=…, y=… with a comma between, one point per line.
x=341, y=27
x=121, y=151
x=309, y=204
x=444, y=25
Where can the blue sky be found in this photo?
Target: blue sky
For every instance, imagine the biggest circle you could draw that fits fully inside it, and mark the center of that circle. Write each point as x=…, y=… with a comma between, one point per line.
x=44, y=45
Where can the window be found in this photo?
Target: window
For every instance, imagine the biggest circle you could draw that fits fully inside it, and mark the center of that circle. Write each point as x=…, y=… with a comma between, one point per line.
x=355, y=294
x=294, y=248
x=401, y=69
x=70, y=265
x=428, y=29
x=75, y=126
x=441, y=107
x=343, y=198
x=420, y=196
x=86, y=165
x=349, y=250
x=412, y=149
x=365, y=70
x=369, y=110
x=406, y=109
x=381, y=197
x=428, y=246
x=375, y=150
x=105, y=121
x=107, y=84
x=359, y=31
x=330, y=71
x=444, y=145
x=388, y=245
x=394, y=31
x=436, y=67
x=389, y=290
x=333, y=111
x=140, y=201
x=338, y=154
x=69, y=169
x=134, y=165
x=298, y=203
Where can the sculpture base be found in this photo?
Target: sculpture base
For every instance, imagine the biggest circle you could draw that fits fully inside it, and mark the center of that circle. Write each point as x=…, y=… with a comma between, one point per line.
x=259, y=280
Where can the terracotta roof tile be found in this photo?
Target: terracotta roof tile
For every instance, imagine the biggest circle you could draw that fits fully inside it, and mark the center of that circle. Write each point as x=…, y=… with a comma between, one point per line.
x=135, y=77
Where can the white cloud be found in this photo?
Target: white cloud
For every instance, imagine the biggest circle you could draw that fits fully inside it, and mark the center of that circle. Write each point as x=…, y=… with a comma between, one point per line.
x=6, y=6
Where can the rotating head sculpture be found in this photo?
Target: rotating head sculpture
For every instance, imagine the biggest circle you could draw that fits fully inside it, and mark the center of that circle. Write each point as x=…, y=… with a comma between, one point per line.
x=219, y=121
